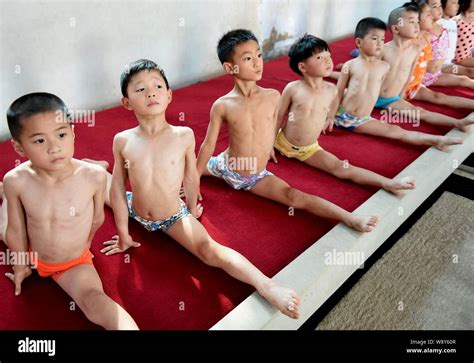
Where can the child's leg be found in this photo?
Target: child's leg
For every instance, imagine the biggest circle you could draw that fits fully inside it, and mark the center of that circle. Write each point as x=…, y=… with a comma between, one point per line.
x=105, y=165
x=3, y=215
x=378, y=128
x=468, y=62
x=447, y=80
x=331, y=164
x=432, y=117
x=274, y=188
x=83, y=285
x=438, y=98
x=192, y=235
x=459, y=70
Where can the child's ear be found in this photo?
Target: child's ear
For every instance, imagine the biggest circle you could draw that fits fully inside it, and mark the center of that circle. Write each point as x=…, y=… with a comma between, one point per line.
x=72, y=131
x=302, y=67
x=17, y=147
x=395, y=29
x=126, y=103
x=358, y=42
x=229, y=68
x=170, y=95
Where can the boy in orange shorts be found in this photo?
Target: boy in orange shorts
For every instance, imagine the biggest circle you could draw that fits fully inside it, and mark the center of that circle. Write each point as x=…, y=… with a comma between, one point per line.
x=55, y=206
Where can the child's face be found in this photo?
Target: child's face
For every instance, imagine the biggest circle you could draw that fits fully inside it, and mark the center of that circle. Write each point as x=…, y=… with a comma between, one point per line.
x=426, y=19
x=247, y=62
x=408, y=26
x=372, y=43
x=470, y=12
x=436, y=9
x=318, y=65
x=451, y=9
x=46, y=140
x=147, y=94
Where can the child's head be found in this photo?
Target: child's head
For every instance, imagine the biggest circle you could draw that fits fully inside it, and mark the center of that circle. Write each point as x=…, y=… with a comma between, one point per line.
x=145, y=88
x=450, y=7
x=41, y=131
x=466, y=8
x=436, y=9
x=240, y=54
x=370, y=36
x=426, y=16
x=310, y=56
x=403, y=22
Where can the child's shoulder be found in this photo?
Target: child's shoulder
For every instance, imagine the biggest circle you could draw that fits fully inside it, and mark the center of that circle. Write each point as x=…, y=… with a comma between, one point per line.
x=122, y=136
x=330, y=87
x=91, y=171
x=183, y=131
x=16, y=177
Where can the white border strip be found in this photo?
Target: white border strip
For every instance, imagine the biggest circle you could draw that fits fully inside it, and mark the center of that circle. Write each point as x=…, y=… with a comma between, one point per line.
x=313, y=279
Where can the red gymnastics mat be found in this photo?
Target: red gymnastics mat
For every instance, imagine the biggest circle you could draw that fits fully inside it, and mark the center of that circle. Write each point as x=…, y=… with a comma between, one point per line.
x=162, y=285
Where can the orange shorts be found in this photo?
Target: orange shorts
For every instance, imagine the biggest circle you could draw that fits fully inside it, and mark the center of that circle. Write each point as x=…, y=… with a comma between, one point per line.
x=55, y=270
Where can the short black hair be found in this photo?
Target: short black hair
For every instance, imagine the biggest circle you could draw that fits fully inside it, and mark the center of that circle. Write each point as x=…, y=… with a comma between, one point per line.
x=227, y=43
x=135, y=67
x=367, y=24
x=420, y=4
x=397, y=13
x=444, y=3
x=464, y=6
x=30, y=105
x=304, y=48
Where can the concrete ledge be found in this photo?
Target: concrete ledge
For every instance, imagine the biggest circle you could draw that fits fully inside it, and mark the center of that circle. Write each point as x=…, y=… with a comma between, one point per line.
x=313, y=278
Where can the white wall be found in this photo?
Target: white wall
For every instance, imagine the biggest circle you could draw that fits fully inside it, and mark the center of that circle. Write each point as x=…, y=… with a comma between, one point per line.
x=77, y=49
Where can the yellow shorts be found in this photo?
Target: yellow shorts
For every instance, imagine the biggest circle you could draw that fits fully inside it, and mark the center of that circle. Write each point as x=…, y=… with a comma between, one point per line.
x=298, y=152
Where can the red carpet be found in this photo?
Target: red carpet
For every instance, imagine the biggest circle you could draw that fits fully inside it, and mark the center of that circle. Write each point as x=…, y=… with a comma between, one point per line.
x=165, y=287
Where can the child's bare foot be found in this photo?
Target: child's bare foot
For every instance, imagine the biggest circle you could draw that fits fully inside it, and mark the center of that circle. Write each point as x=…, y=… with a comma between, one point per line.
x=444, y=141
x=282, y=298
x=465, y=123
x=396, y=186
x=101, y=163
x=363, y=224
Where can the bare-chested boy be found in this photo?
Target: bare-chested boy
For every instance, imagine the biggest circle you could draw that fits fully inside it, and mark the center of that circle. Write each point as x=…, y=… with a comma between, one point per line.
x=54, y=205
x=363, y=78
x=312, y=103
x=401, y=54
x=250, y=113
x=157, y=158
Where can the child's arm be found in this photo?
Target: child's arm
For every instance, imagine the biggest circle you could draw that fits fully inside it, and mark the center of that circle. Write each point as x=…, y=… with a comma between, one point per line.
x=16, y=237
x=284, y=105
x=118, y=202
x=191, y=177
x=98, y=198
x=342, y=82
x=402, y=94
x=329, y=124
x=209, y=144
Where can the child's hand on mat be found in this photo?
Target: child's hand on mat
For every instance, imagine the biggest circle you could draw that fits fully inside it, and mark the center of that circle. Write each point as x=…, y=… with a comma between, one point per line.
x=20, y=272
x=118, y=245
x=328, y=125
x=197, y=211
x=273, y=156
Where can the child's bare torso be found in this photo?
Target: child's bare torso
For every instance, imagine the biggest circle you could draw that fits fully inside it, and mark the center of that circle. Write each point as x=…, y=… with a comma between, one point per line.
x=401, y=61
x=363, y=89
x=308, y=112
x=251, y=124
x=155, y=166
x=58, y=215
